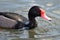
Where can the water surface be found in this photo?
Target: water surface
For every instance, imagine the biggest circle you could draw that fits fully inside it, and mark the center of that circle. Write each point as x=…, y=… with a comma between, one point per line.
x=45, y=31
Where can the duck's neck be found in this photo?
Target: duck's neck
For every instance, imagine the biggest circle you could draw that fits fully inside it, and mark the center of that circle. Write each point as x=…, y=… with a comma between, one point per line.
x=32, y=22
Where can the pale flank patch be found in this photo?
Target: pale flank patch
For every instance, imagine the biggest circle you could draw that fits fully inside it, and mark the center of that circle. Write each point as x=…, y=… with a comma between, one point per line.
x=6, y=22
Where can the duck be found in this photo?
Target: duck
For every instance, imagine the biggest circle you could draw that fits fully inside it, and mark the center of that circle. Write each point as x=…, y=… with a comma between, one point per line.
x=17, y=21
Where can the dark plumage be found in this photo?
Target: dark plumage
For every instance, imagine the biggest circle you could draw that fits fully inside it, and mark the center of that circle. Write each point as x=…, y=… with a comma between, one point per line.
x=20, y=21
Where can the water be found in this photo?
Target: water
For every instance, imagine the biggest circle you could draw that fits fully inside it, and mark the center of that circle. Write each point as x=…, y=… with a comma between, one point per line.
x=45, y=31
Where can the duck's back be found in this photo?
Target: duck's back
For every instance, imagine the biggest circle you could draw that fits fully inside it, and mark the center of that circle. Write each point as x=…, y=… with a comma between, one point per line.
x=11, y=20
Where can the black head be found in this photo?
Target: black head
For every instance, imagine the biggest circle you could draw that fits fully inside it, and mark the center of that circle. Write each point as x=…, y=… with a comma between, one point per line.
x=37, y=11
x=34, y=11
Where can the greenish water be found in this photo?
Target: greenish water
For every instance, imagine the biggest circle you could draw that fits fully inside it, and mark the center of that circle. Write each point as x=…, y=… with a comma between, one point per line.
x=45, y=31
